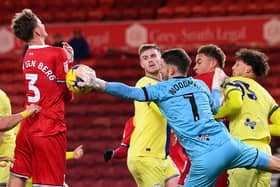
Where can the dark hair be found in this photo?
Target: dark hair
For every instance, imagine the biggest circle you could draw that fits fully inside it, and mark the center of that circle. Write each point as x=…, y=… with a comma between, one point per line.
x=145, y=47
x=23, y=24
x=215, y=52
x=256, y=59
x=179, y=58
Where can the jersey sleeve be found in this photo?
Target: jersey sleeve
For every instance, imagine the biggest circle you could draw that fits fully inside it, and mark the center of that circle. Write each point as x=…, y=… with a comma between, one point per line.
x=62, y=67
x=274, y=117
x=233, y=99
x=154, y=92
x=124, y=91
x=129, y=127
x=121, y=151
x=61, y=64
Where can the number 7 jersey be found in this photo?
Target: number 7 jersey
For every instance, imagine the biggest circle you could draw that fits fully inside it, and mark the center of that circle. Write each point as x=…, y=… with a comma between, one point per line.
x=44, y=69
x=186, y=104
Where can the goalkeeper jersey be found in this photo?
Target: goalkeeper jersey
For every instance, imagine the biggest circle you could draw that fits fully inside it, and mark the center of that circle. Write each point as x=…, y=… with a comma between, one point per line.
x=151, y=135
x=251, y=123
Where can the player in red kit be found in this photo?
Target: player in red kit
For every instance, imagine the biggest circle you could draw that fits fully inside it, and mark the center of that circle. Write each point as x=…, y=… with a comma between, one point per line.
x=209, y=59
x=42, y=135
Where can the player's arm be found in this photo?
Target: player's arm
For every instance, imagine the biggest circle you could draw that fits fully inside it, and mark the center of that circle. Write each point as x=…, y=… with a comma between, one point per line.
x=216, y=100
x=118, y=153
x=76, y=154
x=232, y=104
x=274, y=117
x=69, y=52
x=5, y=159
x=88, y=78
x=8, y=122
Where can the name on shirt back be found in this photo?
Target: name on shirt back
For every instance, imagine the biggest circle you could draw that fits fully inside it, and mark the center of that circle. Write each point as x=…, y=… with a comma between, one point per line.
x=40, y=66
x=182, y=84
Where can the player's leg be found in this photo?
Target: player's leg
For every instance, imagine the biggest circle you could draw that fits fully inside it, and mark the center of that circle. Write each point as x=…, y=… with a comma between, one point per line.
x=4, y=175
x=171, y=173
x=28, y=183
x=48, y=160
x=264, y=179
x=21, y=169
x=205, y=169
x=251, y=177
x=243, y=177
x=15, y=181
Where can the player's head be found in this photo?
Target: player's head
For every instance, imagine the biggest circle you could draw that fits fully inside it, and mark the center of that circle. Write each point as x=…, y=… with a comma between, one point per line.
x=175, y=62
x=150, y=56
x=250, y=63
x=27, y=26
x=208, y=58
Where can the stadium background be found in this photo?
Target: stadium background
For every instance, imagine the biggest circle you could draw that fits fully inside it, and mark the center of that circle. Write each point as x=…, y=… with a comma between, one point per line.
x=114, y=29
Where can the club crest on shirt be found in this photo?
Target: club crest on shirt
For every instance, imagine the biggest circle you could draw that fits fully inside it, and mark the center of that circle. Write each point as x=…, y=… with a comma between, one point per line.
x=249, y=123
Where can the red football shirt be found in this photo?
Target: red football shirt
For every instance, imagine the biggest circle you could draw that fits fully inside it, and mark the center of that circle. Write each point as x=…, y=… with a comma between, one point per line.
x=44, y=69
x=207, y=78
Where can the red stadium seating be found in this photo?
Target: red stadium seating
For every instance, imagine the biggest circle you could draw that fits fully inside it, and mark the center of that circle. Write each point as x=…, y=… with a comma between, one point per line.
x=117, y=10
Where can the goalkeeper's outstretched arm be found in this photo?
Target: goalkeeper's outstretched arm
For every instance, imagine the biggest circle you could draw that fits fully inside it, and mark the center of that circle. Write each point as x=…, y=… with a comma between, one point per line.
x=112, y=88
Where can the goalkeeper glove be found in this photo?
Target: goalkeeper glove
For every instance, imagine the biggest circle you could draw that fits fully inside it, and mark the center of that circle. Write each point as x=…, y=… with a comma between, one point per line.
x=108, y=154
x=88, y=78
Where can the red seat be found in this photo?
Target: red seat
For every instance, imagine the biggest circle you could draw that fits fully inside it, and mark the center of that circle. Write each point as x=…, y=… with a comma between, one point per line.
x=271, y=7
x=217, y=9
x=199, y=10
x=130, y=14
x=147, y=13
x=235, y=9
x=165, y=12
x=95, y=15
x=182, y=11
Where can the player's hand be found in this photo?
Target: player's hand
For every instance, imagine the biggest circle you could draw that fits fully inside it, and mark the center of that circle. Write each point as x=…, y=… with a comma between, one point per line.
x=108, y=154
x=33, y=108
x=86, y=75
x=79, y=152
x=69, y=51
x=5, y=159
x=88, y=78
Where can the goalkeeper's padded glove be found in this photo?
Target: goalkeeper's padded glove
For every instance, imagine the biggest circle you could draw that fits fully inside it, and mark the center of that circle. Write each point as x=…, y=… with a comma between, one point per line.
x=88, y=78
x=108, y=154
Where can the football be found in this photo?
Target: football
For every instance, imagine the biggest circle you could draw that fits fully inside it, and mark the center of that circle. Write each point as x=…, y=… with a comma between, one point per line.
x=72, y=80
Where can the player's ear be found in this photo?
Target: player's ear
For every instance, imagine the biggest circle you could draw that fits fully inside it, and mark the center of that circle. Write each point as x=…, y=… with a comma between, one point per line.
x=172, y=70
x=36, y=32
x=213, y=64
x=248, y=69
